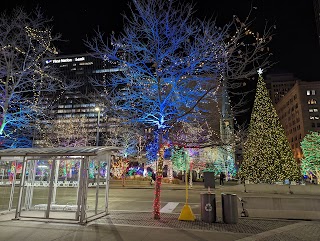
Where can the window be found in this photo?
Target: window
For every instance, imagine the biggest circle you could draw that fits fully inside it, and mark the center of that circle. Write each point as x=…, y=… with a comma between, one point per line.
x=318, y=124
x=313, y=92
x=308, y=92
x=312, y=102
x=313, y=124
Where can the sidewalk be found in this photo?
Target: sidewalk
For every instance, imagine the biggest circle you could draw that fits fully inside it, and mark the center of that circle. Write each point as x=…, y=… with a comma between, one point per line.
x=140, y=226
x=263, y=200
x=125, y=226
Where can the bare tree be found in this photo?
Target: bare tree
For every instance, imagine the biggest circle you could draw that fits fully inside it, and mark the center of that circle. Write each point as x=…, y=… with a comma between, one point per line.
x=66, y=132
x=25, y=43
x=171, y=63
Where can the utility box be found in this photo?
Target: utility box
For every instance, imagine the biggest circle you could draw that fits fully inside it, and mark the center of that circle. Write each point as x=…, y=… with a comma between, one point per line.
x=229, y=208
x=209, y=179
x=208, y=207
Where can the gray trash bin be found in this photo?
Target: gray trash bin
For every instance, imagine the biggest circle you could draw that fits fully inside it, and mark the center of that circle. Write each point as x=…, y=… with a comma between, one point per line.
x=209, y=179
x=229, y=208
x=208, y=207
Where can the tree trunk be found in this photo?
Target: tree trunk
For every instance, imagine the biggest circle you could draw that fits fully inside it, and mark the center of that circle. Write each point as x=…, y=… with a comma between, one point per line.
x=190, y=175
x=156, y=202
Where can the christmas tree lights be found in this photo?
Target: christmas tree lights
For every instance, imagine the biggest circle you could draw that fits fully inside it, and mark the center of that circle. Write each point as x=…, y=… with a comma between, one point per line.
x=267, y=154
x=310, y=163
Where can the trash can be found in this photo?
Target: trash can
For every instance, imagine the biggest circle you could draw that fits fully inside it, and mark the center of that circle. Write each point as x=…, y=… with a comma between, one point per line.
x=208, y=207
x=209, y=179
x=229, y=208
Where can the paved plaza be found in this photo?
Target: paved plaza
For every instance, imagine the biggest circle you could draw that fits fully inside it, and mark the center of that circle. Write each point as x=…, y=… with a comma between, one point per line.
x=130, y=219
x=140, y=226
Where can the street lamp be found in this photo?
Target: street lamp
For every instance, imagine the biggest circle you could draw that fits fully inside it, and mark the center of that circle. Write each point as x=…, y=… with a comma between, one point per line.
x=98, y=125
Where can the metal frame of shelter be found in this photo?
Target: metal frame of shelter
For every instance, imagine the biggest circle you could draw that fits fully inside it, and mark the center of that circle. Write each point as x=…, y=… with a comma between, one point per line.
x=60, y=200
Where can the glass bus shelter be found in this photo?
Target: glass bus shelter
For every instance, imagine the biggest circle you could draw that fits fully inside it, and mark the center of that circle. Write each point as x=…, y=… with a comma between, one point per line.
x=63, y=183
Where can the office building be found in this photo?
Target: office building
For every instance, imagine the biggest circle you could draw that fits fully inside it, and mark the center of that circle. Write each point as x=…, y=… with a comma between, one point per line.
x=298, y=111
x=279, y=85
x=80, y=103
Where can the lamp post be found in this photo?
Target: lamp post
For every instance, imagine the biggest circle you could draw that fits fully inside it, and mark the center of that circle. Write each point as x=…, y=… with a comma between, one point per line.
x=98, y=125
x=97, y=169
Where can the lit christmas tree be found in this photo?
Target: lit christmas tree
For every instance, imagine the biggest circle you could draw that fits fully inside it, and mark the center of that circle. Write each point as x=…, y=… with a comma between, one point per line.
x=267, y=154
x=310, y=163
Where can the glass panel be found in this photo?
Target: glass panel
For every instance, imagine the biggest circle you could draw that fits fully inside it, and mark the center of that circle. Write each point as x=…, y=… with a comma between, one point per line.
x=65, y=191
x=96, y=196
x=10, y=174
x=36, y=188
x=64, y=176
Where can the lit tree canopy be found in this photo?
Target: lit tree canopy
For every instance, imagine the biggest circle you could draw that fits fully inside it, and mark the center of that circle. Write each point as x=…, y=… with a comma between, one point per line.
x=65, y=132
x=171, y=62
x=126, y=136
x=179, y=158
x=25, y=42
x=267, y=153
x=311, y=154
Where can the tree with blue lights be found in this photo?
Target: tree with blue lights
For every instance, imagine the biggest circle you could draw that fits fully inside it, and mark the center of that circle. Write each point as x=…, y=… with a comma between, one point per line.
x=25, y=43
x=170, y=64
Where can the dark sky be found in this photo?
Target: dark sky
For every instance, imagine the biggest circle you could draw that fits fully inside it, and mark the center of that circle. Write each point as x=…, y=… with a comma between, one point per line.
x=295, y=45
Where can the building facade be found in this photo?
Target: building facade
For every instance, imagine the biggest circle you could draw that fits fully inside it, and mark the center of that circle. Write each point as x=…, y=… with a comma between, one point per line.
x=80, y=104
x=278, y=85
x=298, y=111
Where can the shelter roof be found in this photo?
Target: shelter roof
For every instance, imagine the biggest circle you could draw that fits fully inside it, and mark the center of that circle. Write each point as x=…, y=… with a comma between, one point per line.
x=58, y=151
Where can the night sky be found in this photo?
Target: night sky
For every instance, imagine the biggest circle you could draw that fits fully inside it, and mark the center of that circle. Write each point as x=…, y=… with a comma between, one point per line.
x=295, y=45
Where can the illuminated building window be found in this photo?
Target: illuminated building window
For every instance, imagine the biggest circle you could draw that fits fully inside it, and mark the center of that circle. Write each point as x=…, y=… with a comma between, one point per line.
x=308, y=92
x=312, y=102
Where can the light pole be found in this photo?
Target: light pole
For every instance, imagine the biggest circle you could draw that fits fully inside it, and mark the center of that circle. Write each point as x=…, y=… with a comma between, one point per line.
x=97, y=172
x=98, y=125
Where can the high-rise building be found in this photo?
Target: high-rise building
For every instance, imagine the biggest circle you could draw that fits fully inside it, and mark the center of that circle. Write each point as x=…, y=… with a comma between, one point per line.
x=79, y=103
x=279, y=85
x=298, y=111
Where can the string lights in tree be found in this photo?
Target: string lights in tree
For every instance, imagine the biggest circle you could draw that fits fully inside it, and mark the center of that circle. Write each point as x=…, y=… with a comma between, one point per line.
x=170, y=64
x=26, y=41
x=310, y=163
x=267, y=154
